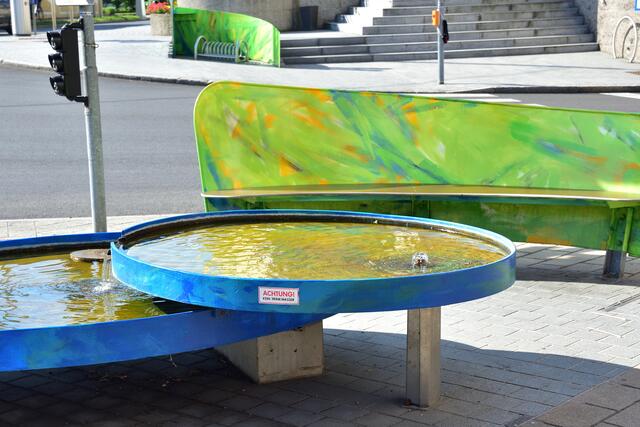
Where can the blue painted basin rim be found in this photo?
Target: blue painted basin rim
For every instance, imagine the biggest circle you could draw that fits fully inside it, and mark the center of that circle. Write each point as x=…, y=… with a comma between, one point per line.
x=312, y=296
x=92, y=343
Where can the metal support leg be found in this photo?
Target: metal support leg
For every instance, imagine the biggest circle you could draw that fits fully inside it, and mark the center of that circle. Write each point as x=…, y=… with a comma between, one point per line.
x=614, y=264
x=620, y=234
x=423, y=356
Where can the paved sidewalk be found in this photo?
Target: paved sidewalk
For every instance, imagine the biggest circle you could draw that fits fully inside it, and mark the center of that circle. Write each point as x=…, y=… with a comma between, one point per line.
x=130, y=51
x=559, y=345
x=22, y=228
x=614, y=403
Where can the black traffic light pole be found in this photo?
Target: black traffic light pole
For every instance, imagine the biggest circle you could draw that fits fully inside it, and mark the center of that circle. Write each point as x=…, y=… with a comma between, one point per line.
x=67, y=83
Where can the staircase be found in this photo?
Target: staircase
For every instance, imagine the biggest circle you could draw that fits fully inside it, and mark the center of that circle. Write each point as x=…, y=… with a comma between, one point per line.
x=401, y=30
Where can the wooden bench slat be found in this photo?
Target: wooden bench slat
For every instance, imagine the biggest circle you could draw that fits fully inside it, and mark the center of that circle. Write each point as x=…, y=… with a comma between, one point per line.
x=423, y=190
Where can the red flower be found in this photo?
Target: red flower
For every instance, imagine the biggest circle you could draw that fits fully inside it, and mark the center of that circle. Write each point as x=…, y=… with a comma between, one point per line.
x=158, y=7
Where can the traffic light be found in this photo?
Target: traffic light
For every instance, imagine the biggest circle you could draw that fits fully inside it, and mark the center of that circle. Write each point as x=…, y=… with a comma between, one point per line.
x=66, y=63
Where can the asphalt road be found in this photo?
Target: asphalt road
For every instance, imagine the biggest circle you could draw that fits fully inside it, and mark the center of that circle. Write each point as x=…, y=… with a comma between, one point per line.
x=149, y=148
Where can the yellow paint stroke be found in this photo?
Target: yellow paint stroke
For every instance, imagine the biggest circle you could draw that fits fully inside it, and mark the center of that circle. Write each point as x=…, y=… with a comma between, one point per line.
x=252, y=112
x=598, y=160
x=268, y=120
x=310, y=120
x=412, y=118
x=224, y=169
x=408, y=106
x=237, y=131
x=352, y=151
x=287, y=168
x=626, y=168
x=319, y=94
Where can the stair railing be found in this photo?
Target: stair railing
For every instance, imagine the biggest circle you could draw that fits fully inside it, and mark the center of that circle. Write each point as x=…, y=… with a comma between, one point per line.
x=634, y=26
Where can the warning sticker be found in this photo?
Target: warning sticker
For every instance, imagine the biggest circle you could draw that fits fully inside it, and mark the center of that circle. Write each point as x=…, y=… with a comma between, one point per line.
x=282, y=296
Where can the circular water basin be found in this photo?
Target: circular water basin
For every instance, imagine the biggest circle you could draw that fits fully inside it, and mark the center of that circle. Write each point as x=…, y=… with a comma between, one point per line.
x=53, y=290
x=56, y=312
x=313, y=261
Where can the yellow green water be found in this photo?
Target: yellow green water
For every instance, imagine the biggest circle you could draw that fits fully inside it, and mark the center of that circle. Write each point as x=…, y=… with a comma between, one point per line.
x=314, y=250
x=54, y=290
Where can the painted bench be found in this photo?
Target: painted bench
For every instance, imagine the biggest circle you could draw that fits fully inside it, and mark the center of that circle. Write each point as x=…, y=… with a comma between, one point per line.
x=533, y=174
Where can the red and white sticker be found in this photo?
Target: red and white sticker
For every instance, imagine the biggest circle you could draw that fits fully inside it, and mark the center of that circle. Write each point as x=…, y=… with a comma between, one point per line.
x=280, y=296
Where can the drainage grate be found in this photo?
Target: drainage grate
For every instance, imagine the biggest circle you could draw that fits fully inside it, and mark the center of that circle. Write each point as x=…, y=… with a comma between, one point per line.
x=620, y=303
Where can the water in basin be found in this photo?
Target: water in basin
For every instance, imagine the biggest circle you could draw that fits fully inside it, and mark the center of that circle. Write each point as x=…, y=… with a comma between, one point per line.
x=314, y=250
x=53, y=290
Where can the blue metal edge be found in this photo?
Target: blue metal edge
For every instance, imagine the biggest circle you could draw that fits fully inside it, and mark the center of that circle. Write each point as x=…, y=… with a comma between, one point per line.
x=58, y=240
x=93, y=343
x=320, y=296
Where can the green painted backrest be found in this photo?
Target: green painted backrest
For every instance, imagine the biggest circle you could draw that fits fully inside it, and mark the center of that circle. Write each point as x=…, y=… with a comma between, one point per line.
x=252, y=136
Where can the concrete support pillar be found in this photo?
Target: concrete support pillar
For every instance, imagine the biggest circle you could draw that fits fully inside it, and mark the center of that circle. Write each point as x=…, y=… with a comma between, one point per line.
x=283, y=356
x=423, y=356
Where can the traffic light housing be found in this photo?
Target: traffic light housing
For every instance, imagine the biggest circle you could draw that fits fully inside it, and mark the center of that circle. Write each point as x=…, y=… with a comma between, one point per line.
x=66, y=63
x=435, y=18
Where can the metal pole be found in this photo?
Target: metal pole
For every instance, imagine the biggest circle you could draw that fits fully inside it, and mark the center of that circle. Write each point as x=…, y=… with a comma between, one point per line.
x=54, y=22
x=140, y=10
x=440, y=46
x=34, y=19
x=92, y=123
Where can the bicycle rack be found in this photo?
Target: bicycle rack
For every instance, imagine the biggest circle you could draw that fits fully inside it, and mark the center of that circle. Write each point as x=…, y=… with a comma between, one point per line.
x=634, y=26
x=235, y=51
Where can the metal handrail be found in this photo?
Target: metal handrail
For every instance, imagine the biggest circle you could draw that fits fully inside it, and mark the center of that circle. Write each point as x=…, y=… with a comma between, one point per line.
x=634, y=26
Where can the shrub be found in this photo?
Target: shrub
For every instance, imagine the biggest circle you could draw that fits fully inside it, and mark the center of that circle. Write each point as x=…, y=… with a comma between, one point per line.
x=109, y=10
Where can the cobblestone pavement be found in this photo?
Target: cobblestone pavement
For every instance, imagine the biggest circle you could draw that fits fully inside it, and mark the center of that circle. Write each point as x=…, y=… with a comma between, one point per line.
x=556, y=349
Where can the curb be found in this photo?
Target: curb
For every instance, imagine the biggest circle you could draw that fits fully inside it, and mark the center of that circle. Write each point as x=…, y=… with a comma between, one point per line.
x=556, y=89
x=488, y=89
x=17, y=64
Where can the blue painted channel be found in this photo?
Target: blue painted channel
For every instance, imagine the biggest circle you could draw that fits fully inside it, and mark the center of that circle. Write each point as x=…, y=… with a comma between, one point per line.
x=92, y=343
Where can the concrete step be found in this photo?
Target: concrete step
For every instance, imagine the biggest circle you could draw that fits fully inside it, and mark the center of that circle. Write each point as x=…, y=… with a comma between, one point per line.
x=457, y=26
x=416, y=56
x=322, y=41
x=452, y=18
x=431, y=46
x=426, y=37
x=390, y=30
x=426, y=10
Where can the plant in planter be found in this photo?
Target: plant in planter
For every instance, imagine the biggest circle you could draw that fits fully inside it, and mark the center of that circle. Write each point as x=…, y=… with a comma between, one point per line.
x=160, y=16
x=158, y=7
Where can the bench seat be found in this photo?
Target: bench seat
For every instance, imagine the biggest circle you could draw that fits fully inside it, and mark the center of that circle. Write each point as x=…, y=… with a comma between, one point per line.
x=611, y=197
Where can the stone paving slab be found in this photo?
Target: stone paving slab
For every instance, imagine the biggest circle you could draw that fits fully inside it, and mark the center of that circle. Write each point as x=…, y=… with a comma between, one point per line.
x=128, y=50
x=613, y=403
x=544, y=352
x=38, y=227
